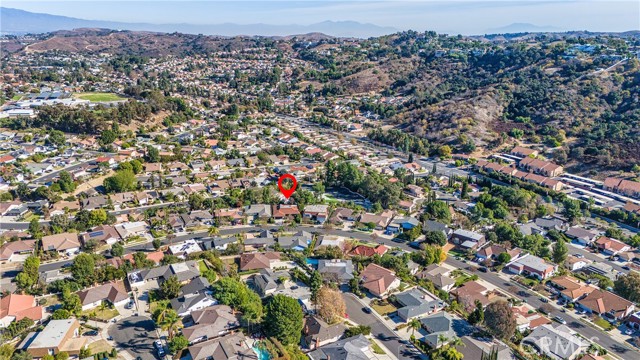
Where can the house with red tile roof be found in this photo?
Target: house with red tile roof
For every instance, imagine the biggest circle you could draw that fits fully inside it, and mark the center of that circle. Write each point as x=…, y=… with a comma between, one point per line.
x=378, y=280
x=609, y=246
x=606, y=304
x=253, y=261
x=15, y=307
x=13, y=250
x=363, y=250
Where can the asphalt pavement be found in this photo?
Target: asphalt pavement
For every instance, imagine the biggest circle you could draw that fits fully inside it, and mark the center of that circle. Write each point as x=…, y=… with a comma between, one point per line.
x=379, y=330
x=135, y=335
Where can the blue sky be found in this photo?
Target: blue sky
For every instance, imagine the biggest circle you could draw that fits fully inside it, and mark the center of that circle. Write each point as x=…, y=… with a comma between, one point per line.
x=466, y=17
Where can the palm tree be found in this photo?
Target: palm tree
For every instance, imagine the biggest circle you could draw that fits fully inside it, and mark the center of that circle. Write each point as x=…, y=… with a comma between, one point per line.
x=414, y=324
x=168, y=320
x=213, y=231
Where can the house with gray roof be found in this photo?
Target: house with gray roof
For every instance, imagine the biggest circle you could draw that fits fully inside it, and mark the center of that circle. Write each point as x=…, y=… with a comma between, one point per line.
x=183, y=271
x=229, y=347
x=265, y=282
x=186, y=304
x=442, y=324
x=418, y=302
x=257, y=211
x=466, y=239
x=353, y=348
x=336, y=270
x=555, y=342
x=298, y=241
x=210, y=322
x=318, y=333
x=401, y=224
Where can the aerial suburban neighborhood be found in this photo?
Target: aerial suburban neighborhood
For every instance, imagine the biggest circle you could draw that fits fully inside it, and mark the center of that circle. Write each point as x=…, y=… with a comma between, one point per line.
x=143, y=215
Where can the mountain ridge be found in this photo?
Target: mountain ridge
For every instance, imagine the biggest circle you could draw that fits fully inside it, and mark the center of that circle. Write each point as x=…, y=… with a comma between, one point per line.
x=15, y=21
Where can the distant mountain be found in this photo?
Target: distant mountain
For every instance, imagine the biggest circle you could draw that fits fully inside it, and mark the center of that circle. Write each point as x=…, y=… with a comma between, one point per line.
x=14, y=21
x=522, y=28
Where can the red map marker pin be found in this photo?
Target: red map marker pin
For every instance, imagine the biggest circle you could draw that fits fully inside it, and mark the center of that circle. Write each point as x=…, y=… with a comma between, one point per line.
x=287, y=192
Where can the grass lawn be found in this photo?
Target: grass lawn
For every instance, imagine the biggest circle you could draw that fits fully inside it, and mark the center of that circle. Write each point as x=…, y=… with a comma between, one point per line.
x=603, y=323
x=99, y=346
x=97, y=97
x=106, y=314
x=376, y=348
x=16, y=97
x=202, y=266
x=383, y=309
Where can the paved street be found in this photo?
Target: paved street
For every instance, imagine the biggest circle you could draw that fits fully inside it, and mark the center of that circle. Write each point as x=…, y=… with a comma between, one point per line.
x=589, y=332
x=135, y=335
x=378, y=329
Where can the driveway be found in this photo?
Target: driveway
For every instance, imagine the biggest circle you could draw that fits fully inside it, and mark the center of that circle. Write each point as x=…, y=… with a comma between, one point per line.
x=378, y=329
x=135, y=334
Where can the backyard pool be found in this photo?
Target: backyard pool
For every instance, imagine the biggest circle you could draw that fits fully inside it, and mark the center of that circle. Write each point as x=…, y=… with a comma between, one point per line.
x=313, y=262
x=262, y=353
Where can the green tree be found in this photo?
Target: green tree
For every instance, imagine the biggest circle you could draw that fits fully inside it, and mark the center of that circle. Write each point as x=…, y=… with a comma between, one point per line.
x=168, y=320
x=283, y=319
x=438, y=210
x=477, y=315
x=34, y=229
x=170, y=288
x=414, y=324
x=83, y=269
x=153, y=154
x=28, y=277
x=315, y=281
x=178, y=343
x=504, y=258
x=436, y=238
x=560, y=252
x=628, y=286
x=499, y=319
x=117, y=250
x=156, y=243
x=60, y=314
x=123, y=180
x=71, y=302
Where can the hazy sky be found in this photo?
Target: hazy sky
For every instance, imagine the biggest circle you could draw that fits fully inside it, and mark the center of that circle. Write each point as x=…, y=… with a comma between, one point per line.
x=453, y=16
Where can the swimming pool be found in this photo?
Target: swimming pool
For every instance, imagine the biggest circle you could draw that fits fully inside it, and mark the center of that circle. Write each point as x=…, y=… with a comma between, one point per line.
x=263, y=354
x=313, y=262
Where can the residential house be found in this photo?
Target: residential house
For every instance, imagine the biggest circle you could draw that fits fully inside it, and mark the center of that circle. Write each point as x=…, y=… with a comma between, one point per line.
x=15, y=307
x=155, y=256
x=380, y=221
x=492, y=252
x=211, y=322
x=266, y=282
x=401, y=224
x=414, y=190
x=480, y=348
x=261, y=240
x=531, y=265
x=542, y=167
x=527, y=318
x=101, y=235
x=183, y=271
x=318, y=213
x=298, y=241
x=558, y=343
x=229, y=347
x=253, y=261
x=469, y=293
x=186, y=304
x=330, y=240
x=467, y=240
x=341, y=215
x=257, y=211
x=606, y=304
x=622, y=186
x=418, y=302
x=610, y=247
x=432, y=225
x=440, y=326
x=523, y=152
x=94, y=202
x=337, y=270
x=581, y=235
x=318, y=333
x=355, y=347
x=183, y=249
x=15, y=251
x=230, y=216
x=112, y=292
x=368, y=251
x=58, y=336
x=378, y=280
x=219, y=243
x=67, y=243
x=569, y=288
x=575, y=263
x=438, y=275
x=282, y=212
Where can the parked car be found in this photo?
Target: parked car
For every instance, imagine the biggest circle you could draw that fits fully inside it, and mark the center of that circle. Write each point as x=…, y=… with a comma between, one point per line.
x=483, y=269
x=628, y=331
x=159, y=348
x=626, y=267
x=544, y=300
x=366, y=310
x=91, y=333
x=560, y=320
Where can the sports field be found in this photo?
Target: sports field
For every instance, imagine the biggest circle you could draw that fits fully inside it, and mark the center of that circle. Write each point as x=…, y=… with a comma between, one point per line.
x=98, y=97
